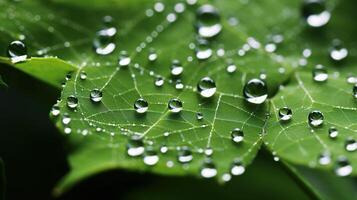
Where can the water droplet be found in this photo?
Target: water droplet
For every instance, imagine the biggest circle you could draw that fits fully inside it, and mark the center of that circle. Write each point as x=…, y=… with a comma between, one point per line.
x=184, y=155
x=324, y=158
x=332, y=132
x=208, y=21
x=164, y=149
x=255, y=91
x=55, y=111
x=72, y=102
x=103, y=42
x=285, y=114
x=66, y=119
x=206, y=87
x=199, y=116
x=338, y=52
x=354, y=91
x=96, y=95
x=208, y=151
x=150, y=158
x=237, y=135
x=179, y=85
x=320, y=73
x=237, y=168
x=350, y=144
x=67, y=130
x=343, y=167
x=315, y=13
x=17, y=51
x=231, y=68
x=135, y=146
x=141, y=105
x=83, y=75
x=159, y=81
x=176, y=68
x=124, y=59
x=208, y=169
x=175, y=105
x=152, y=55
x=203, y=50
x=315, y=118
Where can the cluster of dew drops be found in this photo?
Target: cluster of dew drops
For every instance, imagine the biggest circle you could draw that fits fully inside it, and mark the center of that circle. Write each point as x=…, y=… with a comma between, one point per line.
x=255, y=91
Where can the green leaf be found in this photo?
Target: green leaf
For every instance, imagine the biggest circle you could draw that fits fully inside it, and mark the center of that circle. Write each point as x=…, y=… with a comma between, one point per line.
x=49, y=70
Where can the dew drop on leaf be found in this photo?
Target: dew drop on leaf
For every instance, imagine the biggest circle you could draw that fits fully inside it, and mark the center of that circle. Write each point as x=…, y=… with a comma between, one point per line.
x=237, y=135
x=354, y=91
x=150, y=157
x=135, y=146
x=208, y=169
x=206, y=87
x=66, y=119
x=164, y=149
x=83, y=75
x=237, y=168
x=159, y=81
x=285, y=114
x=67, y=130
x=315, y=13
x=55, y=110
x=17, y=51
x=141, y=105
x=350, y=144
x=152, y=55
x=203, y=50
x=332, y=132
x=176, y=68
x=231, y=68
x=124, y=59
x=315, y=118
x=96, y=95
x=103, y=42
x=255, y=91
x=324, y=158
x=338, y=52
x=175, y=105
x=208, y=21
x=319, y=74
x=184, y=155
x=72, y=101
x=208, y=151
x=343, y=167
x=179, y=85
x=199, y=116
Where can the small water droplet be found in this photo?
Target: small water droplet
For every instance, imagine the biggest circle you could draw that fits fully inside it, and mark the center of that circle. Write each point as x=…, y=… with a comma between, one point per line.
x=179, y=85
x=208, y=21
x=17, y=51
x=320, y=74
x=152, y=55
x=231, y=68
x=332, y=132
x=285, y=114
x=350, y=144
x=338, y=52
x=208, y=169
x=83, y=75
x=67, y=130
x=159, y=81
x=141, y=105
x=164, y=149
x=176, y=68
x=208, y=151
x=72, y=101
x=237, y=168
x=324, y=158
x=237, y=135
x=199, y=116
x=315, y=118
x=135, y=146
x=175, y=105
x=203, y=50
x=150, y=157
x=343, y=167
x=315, y=13
x=124, y=59
x=184, y=155
x=255, y=91
x=96, y=95
x=55, y=111
x=354, y=91
x=206, y=87
x=103, y=42
x=66, y=119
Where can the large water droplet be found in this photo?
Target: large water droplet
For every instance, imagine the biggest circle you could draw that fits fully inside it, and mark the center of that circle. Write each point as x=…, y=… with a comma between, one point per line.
x=208, y=21
x=343, y=167
x=203, y=50
x=17, y=51
x=338, y=51
x=332, y=132
x=141, y=105
x=319, y=73
x=103, y=42
x=176, y=68
x=96, y=95
x=237, y=168
x=350, y=144
x=135, y=146
x=208, y=169
x=285, y=113
x=175, y=105
x=184, y=155
x=72, y=101
x=237, y=135
x=315, y=118
x=255, y=91
x=315, y=13
x=150, y=157
x=206, y=87
x=124, y=59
